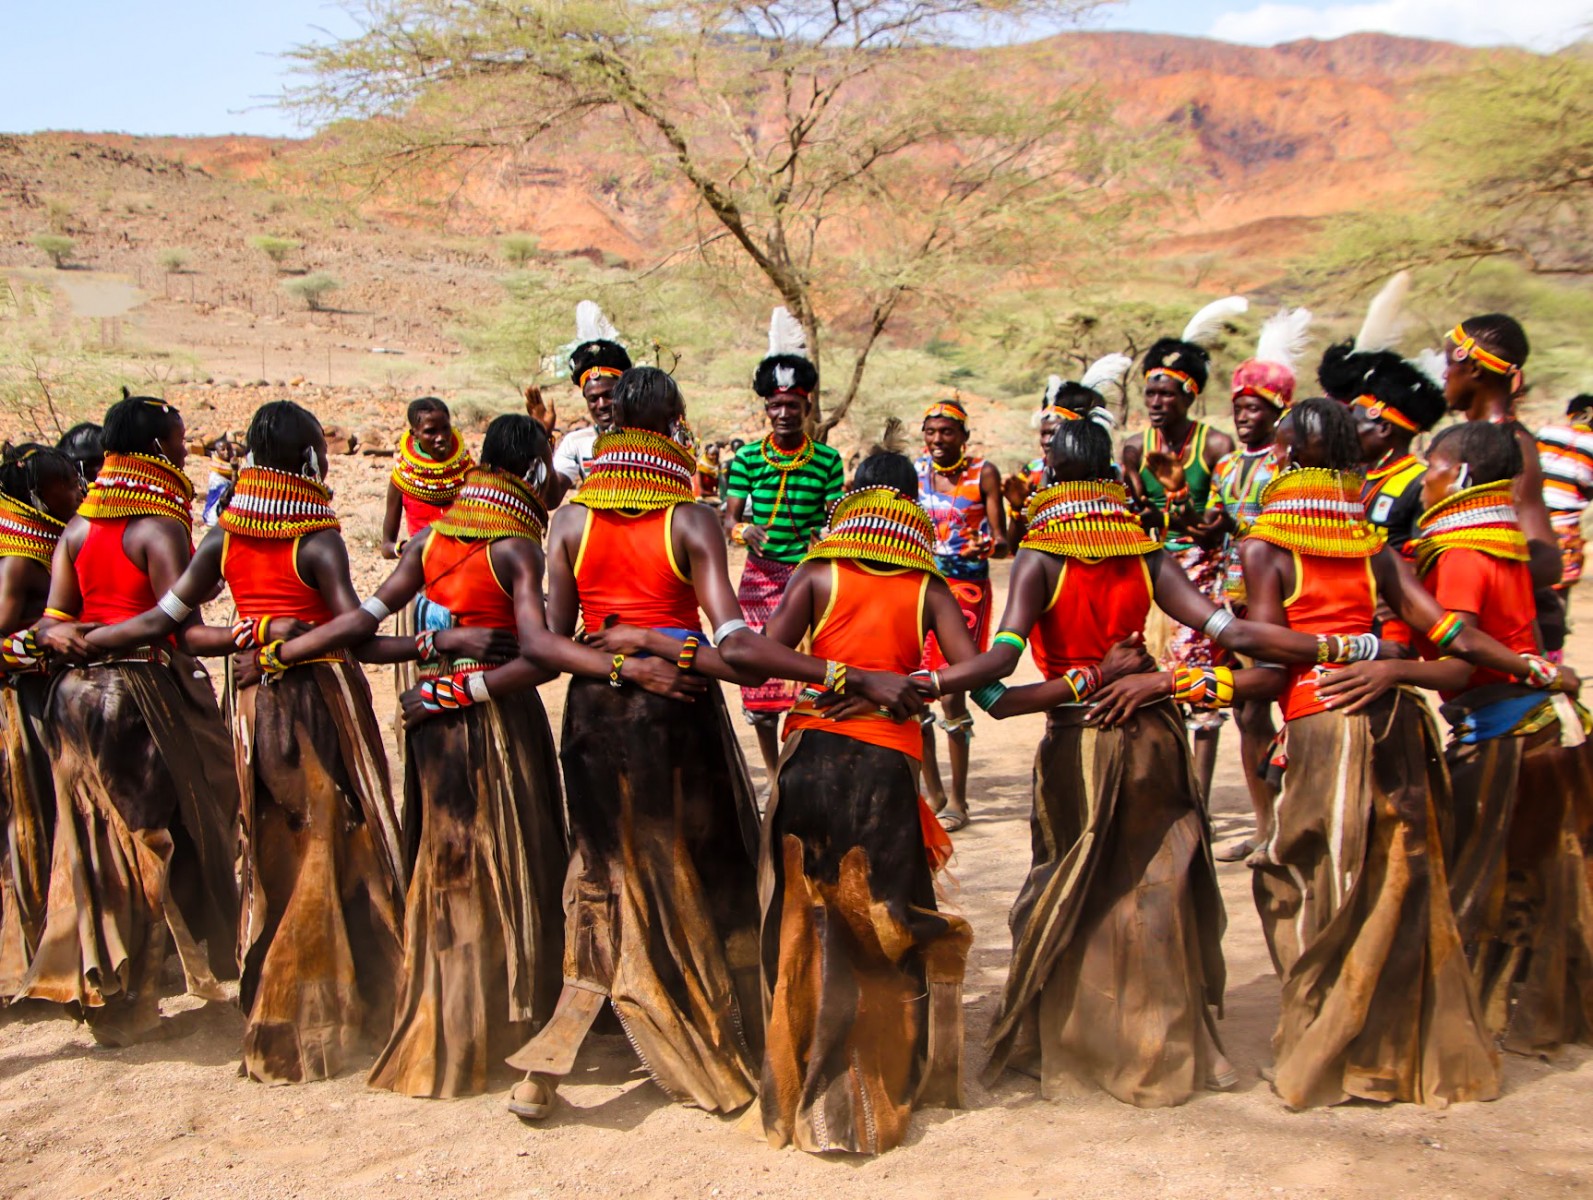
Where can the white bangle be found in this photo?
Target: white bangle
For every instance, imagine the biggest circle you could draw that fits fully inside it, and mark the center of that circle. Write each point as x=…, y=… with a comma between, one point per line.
x=1217, y=622
x=376, y=608
x=171, y=604
x=734, y=625
x=478, y=687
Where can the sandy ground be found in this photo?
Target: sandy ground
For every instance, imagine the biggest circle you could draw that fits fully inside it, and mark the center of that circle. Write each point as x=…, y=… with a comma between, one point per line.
x=173, y=1118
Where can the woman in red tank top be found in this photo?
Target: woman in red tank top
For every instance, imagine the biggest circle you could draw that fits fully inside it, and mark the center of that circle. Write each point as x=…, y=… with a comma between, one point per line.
x=661, y=808
x=146, y=799
x=1520, y=765
x=484, y=816
x=40, y=490
x=321, y=847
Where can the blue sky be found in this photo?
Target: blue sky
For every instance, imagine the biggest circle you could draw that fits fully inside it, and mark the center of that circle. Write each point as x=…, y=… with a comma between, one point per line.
x=208, y=67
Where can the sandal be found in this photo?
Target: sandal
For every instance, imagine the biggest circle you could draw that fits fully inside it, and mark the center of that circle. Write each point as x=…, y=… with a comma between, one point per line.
x=533, y=1099
x=1237, y=851
x=951, y=820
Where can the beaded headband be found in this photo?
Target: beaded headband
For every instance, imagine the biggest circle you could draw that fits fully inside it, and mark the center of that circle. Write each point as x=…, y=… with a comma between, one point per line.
x=878, y=524
x=949, y=409
x=600, y=373
x=1480, y=518
x=1381, y=410
x=1466, y=347
x=268, y=503
x=1085, y=520
x=637, y=470
x=1185, y=380
x=1316, y=511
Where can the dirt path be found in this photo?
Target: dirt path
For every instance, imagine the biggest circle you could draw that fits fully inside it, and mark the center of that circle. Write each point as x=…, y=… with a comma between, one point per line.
x=173, y=1118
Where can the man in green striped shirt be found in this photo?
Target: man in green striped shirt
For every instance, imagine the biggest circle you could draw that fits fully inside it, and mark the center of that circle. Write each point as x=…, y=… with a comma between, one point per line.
x=777, y=492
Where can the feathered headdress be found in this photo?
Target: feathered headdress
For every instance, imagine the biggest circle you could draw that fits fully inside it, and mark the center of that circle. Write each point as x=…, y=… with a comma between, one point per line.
x=1269, y=376
x=1208, y=322
x=1184, y=359
x=787, y=367
x=597, y=350
x=1384, y=316
x=1070, y=401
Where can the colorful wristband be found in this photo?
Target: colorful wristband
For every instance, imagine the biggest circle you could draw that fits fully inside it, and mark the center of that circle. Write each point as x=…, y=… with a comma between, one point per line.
x=687, y=657
x=1007, y=638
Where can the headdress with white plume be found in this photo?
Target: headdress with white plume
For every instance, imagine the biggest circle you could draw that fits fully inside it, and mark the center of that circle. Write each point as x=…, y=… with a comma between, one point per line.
x=1269, y=376
x=1184, y=359
x=787, y=367
x=597, y=350
x=1069, y=400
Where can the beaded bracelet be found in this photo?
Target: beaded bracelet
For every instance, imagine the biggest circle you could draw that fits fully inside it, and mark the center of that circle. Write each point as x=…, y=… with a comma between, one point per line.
x=1007, y=638
x=840, y=679
x=831, y=668
x=19, y=651
x=688, y=654
x=426, y=645
x=447, y=693
x=269, y=658
x=1541, y=673
x=987, y=697
x=614, y=679
x=1445, y=630
x=1083, y=681
x=243, y=635
x=738, y=533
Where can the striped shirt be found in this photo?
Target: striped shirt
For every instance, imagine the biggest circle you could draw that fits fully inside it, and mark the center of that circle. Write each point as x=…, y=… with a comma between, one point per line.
x=809, y=492
x=1566, y=452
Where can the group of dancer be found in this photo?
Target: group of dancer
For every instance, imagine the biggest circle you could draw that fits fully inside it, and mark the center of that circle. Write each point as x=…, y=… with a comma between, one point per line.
x=1422, y=905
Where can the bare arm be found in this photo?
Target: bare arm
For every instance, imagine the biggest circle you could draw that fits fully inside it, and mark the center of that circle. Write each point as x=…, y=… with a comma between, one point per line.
x=355, y=625
x=21, y=581
x=995, y=508
x=391, y=516
x=1034, y=580
x=1412, y=603
x=163, y=547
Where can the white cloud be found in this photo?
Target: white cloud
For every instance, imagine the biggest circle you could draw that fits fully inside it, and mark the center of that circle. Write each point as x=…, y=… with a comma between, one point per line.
x=1540, y=24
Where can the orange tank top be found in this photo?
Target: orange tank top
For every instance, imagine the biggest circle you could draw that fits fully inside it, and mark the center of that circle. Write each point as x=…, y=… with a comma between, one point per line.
x=459, y=576
x=112, y=587
x=418, y=514
x=263, y=574
x=1331, y=595
x=874, y=621
x=1095, y=606
x=626, y=567
x=1498, y=591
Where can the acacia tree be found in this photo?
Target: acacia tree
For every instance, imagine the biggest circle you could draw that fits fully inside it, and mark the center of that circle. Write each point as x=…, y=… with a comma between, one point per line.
x=841, y=152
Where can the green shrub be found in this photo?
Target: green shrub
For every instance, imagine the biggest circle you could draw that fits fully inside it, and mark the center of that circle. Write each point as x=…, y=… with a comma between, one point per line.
x=173, y=261
x=519, y=249
x=275, y=248
x=58, y=246
x=313, y=289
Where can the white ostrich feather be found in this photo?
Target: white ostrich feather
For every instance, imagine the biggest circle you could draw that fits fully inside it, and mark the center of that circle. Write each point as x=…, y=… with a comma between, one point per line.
x=785, y=334
x=1053, y=388
x=1208, y=322
x=1106, y=371
x=1381, y=328
x=1284, y=336
x=591, y=325
x=1432, y=364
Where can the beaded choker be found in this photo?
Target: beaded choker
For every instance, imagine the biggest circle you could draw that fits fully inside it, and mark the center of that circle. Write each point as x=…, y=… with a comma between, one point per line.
x=493, y=504
x=1478, y=518
x=1316, y=511
x=637, y=470
x=268, y=503
x=139, y=485
x=26, y=532
x=879, y=524
x=1085, y=520
x=1378, y=474
x=431, y=480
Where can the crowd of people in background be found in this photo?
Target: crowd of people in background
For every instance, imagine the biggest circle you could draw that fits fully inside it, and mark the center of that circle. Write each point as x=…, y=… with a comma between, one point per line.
x=1426, y=903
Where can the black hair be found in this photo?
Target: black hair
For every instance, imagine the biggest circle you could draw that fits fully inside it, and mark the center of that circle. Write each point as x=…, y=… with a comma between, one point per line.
x=1578, y=404
x=1326, y=426
x=1343, y=372
x=81, y=442
x=133, y=422
x=513, y=443
x=419, y=408
x=1500, y=333
x=281, y=435
x=29, y=464
x=1080, y=450
x=1175, y=355
x=1405, y=386
x=1074, y=397
x=1491, y=451
x=598, y=353
x=647, y=398
x=804, y=375
x=886, y=468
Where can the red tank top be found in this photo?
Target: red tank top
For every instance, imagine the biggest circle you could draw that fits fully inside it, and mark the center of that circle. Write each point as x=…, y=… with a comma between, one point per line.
x=1331, y=595
x=1497, y=591
x=874, y=621
x=112, y=587
x=418, y=515
x=626, y=567
x=459, y=576
x=1095, y=606
x=263, y=574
